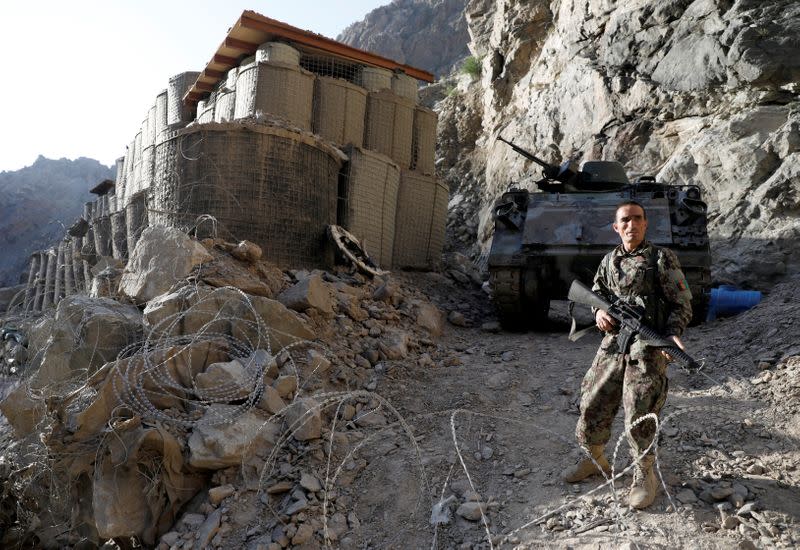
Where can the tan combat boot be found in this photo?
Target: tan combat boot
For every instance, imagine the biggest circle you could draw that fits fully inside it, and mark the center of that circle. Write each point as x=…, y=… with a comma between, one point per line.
x=645, y=484
x=585, y=467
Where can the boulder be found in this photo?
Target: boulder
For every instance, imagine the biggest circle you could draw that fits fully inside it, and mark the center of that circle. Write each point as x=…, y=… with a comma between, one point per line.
x=84, y=334
x=192, y=309
x=224, y=271
x=304, y=419
x=271, y=401
x=22, y=410
x=214, y=447
x=230, y=378
x=394, y=344
x=430, y=318
x=285, y=386
x=163, y=256
x=309, y=292
x=247, y=252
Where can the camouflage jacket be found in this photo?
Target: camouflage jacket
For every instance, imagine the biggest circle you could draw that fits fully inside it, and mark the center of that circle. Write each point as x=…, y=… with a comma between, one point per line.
x=627, y=275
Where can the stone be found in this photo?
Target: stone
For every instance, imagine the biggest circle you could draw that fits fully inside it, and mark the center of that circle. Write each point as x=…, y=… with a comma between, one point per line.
x=163, y=256
x=304, y=419
x=756, y=469
x=208, y=529
x=247, y=252
x=430, y=318
x=457, y=318
x=223, y=271
x=296, y=507
x=285, y=386
x=214, y=447
x=170, y=538
x=388, y=292
x=471, y=511
x=491, y=326
x=280, y=487
x=686, y=496
x=309, y=482
x=225, y=310
x=271, y=401
x=311, y=292
x=230, y=377
x=304, y=534
x=370, y=418
x=220, y=493
x=730, y=522
x=394, y=344
x=318, y=364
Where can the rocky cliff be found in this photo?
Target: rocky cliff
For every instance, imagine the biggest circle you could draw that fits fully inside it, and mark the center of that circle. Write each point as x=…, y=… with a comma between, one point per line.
x=702, y=92
x=36, y=203
x=429, y=34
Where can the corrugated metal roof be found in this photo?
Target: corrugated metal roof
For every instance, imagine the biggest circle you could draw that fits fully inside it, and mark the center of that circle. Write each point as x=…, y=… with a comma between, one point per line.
x=253, y=29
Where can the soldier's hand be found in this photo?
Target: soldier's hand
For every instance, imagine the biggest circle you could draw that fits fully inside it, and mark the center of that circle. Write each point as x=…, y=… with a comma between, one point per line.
x=677, y=343
x=604, y=321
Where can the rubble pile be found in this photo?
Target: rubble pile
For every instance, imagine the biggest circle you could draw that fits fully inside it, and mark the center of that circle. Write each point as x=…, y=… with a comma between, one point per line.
x=207, y=376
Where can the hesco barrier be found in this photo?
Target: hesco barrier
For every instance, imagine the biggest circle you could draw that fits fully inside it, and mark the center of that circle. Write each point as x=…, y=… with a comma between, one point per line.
x=420, y=223
x=135, y=183
x=161, y=115
x=225, y=107
x=423, y=146
x=277, y=52
x=266, y=184
x=369, y=201
x=278, y=89
x=136, y=219
x=405, y=86
x=389, y=126
x=339, y=111
x=119, y=235
x=130, y=159
x=177, y=112
x=376, y=79
x=102, y=235
x=148, y=165
x=205, y=108
x=119, y=177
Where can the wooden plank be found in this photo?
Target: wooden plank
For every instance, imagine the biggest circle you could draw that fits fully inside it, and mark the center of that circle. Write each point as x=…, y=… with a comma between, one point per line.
x=211, y=73
x=241, y=45
x=204, y=86
x=224, y=60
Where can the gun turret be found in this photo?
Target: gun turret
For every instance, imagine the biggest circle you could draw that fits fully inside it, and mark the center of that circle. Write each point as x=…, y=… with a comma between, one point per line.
x=565, y=173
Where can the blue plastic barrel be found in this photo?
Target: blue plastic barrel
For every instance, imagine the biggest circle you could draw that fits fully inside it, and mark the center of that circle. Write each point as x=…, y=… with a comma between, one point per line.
x=727, y=300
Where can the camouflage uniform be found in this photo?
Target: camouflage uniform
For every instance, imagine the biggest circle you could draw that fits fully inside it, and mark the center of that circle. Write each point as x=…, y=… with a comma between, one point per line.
x=637, y=378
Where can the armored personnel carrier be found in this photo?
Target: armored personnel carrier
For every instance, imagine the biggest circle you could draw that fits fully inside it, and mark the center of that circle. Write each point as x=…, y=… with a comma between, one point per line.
x=544, y=240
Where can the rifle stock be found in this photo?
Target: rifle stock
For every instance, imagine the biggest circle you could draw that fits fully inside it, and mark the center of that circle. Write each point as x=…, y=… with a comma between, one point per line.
x=582, y=294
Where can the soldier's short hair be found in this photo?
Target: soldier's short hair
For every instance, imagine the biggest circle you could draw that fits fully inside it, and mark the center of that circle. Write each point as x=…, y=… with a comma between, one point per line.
x=629, y=203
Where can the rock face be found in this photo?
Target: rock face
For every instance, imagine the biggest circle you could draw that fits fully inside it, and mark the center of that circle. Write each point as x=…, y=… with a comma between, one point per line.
x=701, y=92
x=405, y=29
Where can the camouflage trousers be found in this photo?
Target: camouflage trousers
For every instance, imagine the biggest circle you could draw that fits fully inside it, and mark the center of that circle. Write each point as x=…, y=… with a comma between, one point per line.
x=636, y=380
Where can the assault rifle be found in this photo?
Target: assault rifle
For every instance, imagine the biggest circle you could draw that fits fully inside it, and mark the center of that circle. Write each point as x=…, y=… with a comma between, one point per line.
x=630, y=324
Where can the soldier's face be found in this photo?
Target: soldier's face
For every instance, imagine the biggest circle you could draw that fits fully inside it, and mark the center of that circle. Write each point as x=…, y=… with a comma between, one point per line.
x=630, y=225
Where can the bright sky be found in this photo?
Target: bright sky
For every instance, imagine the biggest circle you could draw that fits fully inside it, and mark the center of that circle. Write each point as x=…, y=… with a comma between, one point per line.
x=81, y=74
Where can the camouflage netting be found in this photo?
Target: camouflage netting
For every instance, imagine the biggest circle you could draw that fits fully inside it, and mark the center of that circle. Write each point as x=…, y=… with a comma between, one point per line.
x=424, y=140
x=339, y=111
x=420, y=224
x=376, y=79
x=266, y=184
x=389, y=126
x=177, y=111
x=369, y=201
x=279, y=89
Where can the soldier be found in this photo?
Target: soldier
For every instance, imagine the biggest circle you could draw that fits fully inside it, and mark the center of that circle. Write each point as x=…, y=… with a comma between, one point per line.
x=650, y=277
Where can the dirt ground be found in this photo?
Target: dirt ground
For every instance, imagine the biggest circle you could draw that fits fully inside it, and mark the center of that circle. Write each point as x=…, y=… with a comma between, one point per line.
x=471, y=430
x=497, y=427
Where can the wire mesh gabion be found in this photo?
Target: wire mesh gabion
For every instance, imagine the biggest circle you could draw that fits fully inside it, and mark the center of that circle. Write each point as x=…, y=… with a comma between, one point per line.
x=333, y=67
x=368, y=202
x=119, y=235
x=278, y=89
x=136, y=219
x=205, y=109
x=389, y=126
x=405, y=86
x=420, y=221
x=423, y=148
x=148, y=165
x=339, y=111
x=266, y=184
x=278, y=52
x=161, y=115
x=102, y=235
x=225, y=107
x=177, y=111
x=135, y=183
x=376, y=79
